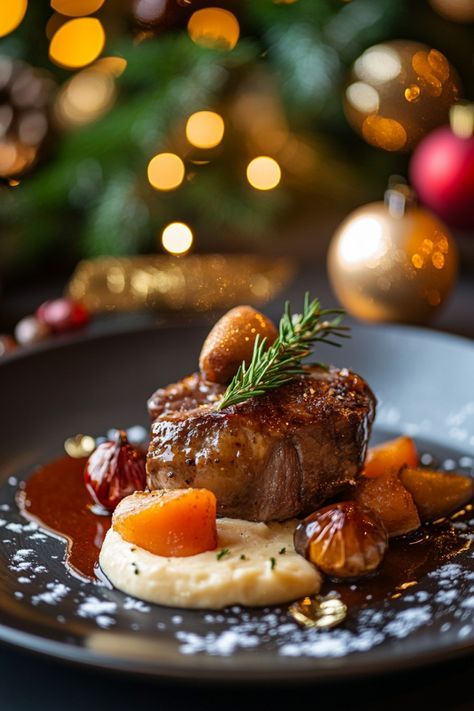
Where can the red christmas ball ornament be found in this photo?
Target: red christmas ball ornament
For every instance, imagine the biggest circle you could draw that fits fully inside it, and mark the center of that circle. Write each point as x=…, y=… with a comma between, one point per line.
x=62, y=315
x=442, y=169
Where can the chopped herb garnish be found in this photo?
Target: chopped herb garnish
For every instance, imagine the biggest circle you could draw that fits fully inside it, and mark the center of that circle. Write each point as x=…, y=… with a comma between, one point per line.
x=282, y=551
x=222, y=553
x=272, y=562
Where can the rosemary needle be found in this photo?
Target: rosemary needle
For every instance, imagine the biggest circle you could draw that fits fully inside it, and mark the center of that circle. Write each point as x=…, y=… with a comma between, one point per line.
x=276, y=365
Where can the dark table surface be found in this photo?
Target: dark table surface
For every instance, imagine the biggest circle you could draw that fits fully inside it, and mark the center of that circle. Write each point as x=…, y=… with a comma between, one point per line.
x=32, y=682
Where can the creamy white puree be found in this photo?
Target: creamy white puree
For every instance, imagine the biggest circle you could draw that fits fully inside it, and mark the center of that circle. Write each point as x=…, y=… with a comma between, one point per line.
x=206, y=582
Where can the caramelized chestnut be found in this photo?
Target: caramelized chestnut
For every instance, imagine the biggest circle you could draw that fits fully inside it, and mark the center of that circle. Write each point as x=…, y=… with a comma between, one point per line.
x=231, y=341
x=343, y=540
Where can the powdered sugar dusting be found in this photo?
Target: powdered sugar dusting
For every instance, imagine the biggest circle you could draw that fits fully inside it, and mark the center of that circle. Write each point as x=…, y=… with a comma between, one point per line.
x=408, y=620
x=53, y=594
x=441, y=605
x=93, y=606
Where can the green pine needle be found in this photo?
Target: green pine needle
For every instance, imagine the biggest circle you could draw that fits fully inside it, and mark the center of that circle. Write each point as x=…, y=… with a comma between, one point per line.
x=281, y=362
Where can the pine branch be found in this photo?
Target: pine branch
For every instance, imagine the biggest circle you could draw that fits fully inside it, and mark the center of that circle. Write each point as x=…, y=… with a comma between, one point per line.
x=281, y=362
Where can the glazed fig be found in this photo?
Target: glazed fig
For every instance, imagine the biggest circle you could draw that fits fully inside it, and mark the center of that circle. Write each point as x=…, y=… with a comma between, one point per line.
x=344, y=540
x=115, y=470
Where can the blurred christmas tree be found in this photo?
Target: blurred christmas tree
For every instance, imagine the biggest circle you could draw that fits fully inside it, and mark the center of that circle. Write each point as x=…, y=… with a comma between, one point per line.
x=227, y=119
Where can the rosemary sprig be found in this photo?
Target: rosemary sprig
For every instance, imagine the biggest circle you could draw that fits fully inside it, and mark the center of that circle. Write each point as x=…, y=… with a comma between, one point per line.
x=281, y=362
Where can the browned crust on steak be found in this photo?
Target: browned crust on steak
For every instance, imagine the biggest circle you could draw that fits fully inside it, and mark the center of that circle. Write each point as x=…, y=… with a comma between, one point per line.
x=271, y=457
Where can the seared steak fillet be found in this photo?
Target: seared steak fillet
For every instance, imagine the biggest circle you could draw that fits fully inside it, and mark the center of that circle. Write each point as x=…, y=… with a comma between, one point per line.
x=271, y=457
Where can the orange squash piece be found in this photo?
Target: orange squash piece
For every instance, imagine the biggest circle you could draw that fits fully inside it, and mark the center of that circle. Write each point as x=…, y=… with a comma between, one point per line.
x=437, y=494
x=386, y=496
x=391, y=456
x=169, y=523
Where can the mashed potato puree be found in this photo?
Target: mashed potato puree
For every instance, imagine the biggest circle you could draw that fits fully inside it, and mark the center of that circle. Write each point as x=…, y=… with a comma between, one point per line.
x=245, y=575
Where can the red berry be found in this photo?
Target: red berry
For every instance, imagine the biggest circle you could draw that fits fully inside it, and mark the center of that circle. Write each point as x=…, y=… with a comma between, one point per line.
x=115, y=470
x=7, y=344
x=31, y=330
x=62, y=315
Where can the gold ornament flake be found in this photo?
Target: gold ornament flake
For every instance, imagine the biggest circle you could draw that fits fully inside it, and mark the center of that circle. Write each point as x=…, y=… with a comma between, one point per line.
x=204, y=282
x=319, y=612
x=79, y=446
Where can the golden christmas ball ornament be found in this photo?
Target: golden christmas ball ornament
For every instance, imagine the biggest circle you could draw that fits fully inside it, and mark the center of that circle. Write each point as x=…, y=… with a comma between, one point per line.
x=454, y=10
x=392, y=261
x=399, y=91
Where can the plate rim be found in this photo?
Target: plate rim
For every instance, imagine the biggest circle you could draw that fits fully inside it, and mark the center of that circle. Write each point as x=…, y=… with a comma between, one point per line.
x=63, y=341
x=83, y=658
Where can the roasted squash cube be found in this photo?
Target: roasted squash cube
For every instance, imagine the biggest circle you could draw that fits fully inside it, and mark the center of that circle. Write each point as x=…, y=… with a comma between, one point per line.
x=386, y=496
x=391, y=456
x=437, y=494
x=169, y=523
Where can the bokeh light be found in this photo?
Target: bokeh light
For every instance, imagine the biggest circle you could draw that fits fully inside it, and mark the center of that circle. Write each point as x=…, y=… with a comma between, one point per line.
x=263, y=173
x=205, y=129
x=378, y=64
x=177, y=238
x=214, y=28
x=149, y=12
x=12, y=13
x=386, y=133
x=77, y=43
x=363, y=97
x=76, y=8
x=87, y=96
x=111, y=65
x=166, y=171
x=363, y=242
x=54, y=23
x=15, y=157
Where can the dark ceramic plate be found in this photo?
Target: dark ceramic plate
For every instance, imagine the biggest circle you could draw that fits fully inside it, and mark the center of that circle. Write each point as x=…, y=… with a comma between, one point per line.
x=425, y=386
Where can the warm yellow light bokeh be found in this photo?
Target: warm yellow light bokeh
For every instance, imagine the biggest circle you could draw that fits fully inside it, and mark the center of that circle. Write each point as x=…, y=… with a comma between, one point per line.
x=12, y=13
x=205, y=129
x=166, y=171
x=177, y=238
x=76, y=8
x=385, y=133
x=149, y=12
x=111, y=65
x=15, y=157
x=263, y=173
x=214, y=27
x=77, y=43
x=85, y=98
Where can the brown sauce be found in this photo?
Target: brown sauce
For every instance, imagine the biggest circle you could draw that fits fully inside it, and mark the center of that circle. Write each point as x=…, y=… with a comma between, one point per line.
x=56, y=497
x=407, y=560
